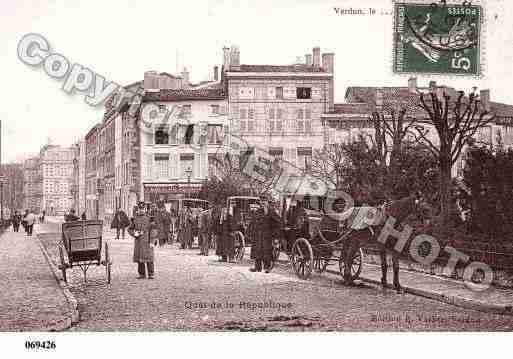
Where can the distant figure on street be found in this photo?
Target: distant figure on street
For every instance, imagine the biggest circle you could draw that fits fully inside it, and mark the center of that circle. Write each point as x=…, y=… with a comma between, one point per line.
x=16, y=220
x=227, y=247
x=204, y=219
x=83, y=216
x=30, y=219
x=71, y=217
x=145, y=234
x=24, y=220
x=163, y=221
x=42, y=218
x=120, y=222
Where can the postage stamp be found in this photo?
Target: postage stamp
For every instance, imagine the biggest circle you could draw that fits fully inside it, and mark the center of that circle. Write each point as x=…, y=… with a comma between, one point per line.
x=437, y=38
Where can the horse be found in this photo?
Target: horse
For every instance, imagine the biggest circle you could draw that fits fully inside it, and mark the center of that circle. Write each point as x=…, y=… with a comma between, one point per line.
x=364, y=230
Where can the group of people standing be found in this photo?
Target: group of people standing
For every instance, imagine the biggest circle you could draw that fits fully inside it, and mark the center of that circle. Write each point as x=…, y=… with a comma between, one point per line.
x=150, y=227
x=27, y=221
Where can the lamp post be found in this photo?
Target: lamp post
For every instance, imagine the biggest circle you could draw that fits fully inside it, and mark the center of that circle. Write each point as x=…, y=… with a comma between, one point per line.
x=188, y=173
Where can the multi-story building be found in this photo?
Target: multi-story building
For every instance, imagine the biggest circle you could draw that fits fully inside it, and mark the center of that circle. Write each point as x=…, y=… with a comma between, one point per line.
x=91, y=172
x=106, y=168
x=78, y=188
x=180, y=130
x=279, y=108
x=33, y=185
x=12, y=190
x=57, y=170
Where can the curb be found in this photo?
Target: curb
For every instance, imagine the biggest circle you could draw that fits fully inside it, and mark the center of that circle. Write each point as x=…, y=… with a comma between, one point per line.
x=448, y=299
x=70, y=298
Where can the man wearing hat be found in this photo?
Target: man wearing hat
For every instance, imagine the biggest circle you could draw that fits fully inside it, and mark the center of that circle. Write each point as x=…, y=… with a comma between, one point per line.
x=266, y=222
x=145, y=233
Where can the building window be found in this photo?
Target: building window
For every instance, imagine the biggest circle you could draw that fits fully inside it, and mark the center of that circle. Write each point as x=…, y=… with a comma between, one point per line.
x=300, y=114
x=251, y=113
x=242, y=126
x=162, y=165
x=215, y=134
x=276, y=152
x=215, y=109
x=279, y=93
x=189, y=134
x=251, y=126
x=303, y=93
x=243, y=114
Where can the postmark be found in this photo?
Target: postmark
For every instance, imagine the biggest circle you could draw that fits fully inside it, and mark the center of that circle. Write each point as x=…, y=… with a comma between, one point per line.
x=437, y=38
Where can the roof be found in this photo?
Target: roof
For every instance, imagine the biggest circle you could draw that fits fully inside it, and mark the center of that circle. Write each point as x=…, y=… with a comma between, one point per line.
x=501, y=110
x=277, y=68
x=350, y=108
x=214, y=93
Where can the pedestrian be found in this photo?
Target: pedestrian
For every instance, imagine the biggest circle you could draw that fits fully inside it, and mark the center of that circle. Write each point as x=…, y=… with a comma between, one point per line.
x=215, y=229
x=43, y=216
x=83, y=217
x=188, y=229
x=30, y=219
x=24, y=220
x=145, y=233
x=227, y=249
x=204, y=219
x=16, y=220
x=266, y=222
x=120, y=222
x=163, y=221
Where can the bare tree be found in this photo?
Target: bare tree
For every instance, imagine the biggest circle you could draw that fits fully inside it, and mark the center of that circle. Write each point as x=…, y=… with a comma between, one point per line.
x=456, y=123
x=328, y=164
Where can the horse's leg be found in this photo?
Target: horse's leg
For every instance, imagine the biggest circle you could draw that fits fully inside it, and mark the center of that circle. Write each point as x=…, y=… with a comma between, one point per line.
x=384, y=266
x=348, y=259
x=395, y=266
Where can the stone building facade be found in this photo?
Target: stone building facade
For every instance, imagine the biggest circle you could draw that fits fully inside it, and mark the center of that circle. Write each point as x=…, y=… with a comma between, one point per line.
x=91, y=173
x=79, y=188
x=33, y=185
x=57, y=174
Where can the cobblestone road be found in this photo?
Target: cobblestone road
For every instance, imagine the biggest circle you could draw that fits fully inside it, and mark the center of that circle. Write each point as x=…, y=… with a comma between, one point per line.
x=181, y=297
x=30, y=298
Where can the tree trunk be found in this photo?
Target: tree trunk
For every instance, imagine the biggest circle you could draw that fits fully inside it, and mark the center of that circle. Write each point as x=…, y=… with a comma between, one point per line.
x=445, y=190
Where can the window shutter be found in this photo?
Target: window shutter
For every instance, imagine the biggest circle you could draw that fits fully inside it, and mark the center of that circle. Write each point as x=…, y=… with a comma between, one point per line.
x=196, y=166
x=148, y=165
x=271, y=113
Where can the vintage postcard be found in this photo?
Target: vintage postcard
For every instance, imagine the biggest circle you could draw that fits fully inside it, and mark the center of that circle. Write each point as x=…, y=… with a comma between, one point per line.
x=254, y=166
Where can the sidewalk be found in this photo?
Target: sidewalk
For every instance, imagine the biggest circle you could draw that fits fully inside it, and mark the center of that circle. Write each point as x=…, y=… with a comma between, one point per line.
x=492, y=300
x=30, y=296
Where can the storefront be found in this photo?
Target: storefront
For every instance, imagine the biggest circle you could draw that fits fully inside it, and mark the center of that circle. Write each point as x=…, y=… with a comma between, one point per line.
x=168, y=192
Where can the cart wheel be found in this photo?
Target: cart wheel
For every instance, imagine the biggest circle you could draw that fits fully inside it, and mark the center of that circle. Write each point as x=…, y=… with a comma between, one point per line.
x=240, y=245
x=63, y=264
x=355, y=263
x=320, y=264
x=107, y=262
x=302, y=258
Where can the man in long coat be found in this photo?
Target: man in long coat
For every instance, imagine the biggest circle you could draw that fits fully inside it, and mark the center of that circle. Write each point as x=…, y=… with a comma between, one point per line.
x=204, y=219
x=145, y=234
x=266, y=223
x=163, y=221
x=120, y=222
x=216, y=229
x=227, y=249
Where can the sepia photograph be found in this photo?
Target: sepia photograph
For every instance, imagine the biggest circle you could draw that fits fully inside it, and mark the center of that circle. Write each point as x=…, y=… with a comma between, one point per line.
x=255, y=170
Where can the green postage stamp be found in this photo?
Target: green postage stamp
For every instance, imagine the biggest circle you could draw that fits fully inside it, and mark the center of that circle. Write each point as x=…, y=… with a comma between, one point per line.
x=437, y=38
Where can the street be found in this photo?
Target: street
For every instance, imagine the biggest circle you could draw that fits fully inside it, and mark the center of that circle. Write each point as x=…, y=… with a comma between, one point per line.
x=192, y=292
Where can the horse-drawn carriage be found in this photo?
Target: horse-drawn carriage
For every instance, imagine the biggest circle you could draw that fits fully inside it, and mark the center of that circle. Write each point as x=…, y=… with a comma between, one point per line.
x=240, y=207
x=82, y=247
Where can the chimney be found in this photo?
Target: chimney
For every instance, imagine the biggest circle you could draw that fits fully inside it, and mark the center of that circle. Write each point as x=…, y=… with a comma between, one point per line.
x=216, y=73
x=484, y=96
x=185, y=77
x=328, y=62
x=234, y=58
x=316, y=56
x=226, y=58
x=308, y=59
x=412, y=84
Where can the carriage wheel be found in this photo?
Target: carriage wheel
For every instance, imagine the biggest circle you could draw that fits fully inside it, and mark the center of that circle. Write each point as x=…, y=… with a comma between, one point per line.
x=240, y=245
x=302, y=258
x=108, y=263
x=63, y=264
x=320, y=264
x=355, y=263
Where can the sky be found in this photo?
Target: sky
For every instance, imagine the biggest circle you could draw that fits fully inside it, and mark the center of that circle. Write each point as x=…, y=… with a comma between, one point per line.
x=120, y=40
